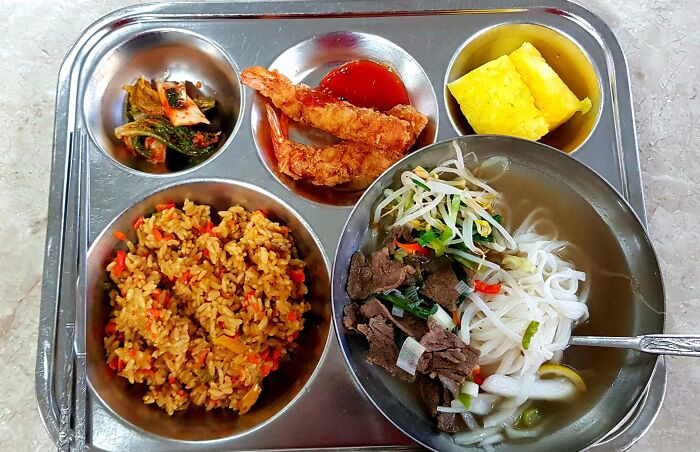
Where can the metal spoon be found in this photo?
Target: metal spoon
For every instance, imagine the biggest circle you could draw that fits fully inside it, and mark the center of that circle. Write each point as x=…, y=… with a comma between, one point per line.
x=660, y=344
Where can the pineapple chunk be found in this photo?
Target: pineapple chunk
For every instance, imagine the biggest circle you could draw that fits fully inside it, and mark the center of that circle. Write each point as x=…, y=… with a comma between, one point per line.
x=552, y=97
x=495, y=99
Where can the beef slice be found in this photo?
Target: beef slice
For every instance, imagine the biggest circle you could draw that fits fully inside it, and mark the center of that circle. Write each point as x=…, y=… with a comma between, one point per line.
x=377, y=274
x=446, y=355
x=440, y=287
x=383, y=351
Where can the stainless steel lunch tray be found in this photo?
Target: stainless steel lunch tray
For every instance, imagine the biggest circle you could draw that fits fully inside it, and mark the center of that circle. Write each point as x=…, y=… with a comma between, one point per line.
x=332, y=413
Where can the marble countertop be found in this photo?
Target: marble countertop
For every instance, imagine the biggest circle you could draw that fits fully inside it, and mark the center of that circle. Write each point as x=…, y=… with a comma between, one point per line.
x=660, y=38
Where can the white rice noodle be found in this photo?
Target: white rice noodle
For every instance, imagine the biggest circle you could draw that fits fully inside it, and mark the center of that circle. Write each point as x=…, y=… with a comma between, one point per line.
x=507, y=414
x=495, y=323
x=554, y=294
x=483, y=403
x=517, y=433
x=466, y=319
x=493, y=439
x=469, y=420
x=528, y=388
x=474, y=436
x=495, y=320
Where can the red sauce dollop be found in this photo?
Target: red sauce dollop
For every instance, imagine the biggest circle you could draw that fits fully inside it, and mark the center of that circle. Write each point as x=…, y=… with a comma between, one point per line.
x=365, y=83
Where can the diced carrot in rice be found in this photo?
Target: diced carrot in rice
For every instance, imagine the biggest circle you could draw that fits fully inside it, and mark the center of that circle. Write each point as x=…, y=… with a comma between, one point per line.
x=211, y=271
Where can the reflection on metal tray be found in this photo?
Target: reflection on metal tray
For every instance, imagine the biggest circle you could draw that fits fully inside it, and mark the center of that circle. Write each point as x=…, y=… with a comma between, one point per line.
x=331, y=412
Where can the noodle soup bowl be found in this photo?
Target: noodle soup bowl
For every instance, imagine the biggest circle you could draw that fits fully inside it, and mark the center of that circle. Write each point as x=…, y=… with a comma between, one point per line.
x=624, y=287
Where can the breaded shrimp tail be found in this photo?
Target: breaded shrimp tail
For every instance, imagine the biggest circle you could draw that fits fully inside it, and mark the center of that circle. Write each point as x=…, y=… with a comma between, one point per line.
x=342, y=119
x=331, y=165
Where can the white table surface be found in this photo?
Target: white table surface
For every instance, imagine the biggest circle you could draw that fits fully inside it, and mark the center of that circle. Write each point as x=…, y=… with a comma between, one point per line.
x=661, y=40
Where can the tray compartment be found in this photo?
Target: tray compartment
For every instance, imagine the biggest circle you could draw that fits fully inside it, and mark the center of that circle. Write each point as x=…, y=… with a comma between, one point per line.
x=308, y=62
x=174, y=54
x=281, y=388
x=561, y=52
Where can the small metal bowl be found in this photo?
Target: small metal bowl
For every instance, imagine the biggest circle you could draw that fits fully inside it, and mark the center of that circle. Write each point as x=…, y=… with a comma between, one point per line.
x=581, y=201
x=280, y=389
x=181, y=56
x=562, y=53
x=308, y=62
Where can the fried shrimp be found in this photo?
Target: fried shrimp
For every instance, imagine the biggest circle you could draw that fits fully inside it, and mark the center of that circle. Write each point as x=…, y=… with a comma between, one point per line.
x=343, y=162
x=342, y=119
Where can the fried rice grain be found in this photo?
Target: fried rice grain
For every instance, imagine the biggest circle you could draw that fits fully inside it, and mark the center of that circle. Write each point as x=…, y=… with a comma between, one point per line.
x=202, y=313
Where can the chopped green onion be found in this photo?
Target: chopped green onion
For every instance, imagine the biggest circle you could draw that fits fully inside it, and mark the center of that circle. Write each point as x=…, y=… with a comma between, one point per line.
x=446, y=235
x=427, y=236
x=442, y=318
x=470, y=388
x=410, y=354
x=438, y=242
x=530, y=331
x=417, y=309
x=397, y=311
x=411, y=293
x=530, y=417
x=462, y=288
x=400, y=254
x=465, y=399
x=420, y=184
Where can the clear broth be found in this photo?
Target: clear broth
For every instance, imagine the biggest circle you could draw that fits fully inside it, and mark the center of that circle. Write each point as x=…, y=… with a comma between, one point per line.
x=595, y=251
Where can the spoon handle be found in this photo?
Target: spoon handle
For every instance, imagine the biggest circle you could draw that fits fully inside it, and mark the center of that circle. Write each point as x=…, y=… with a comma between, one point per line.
x=660, y=344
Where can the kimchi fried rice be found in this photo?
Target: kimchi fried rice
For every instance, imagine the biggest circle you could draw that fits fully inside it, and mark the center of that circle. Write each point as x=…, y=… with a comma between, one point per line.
x=202, y=313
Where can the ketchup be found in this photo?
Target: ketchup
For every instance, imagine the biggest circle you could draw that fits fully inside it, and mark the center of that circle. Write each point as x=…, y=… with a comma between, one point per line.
x=365, y=83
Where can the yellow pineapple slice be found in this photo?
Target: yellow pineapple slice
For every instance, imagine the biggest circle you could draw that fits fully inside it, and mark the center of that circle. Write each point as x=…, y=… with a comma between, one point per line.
x=552, y=97
x=495, y=99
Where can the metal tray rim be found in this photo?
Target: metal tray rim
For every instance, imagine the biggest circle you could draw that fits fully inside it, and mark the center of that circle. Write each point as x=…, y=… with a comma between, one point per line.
x=66, y=112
